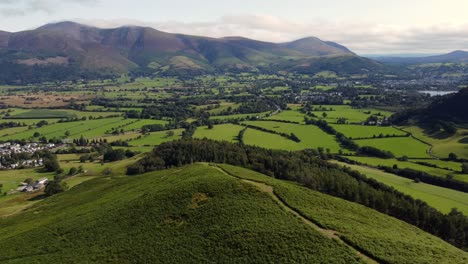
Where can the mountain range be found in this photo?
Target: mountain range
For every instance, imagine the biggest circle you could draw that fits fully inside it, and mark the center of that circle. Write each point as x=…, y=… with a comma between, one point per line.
x=458, y=56
x=123, y=49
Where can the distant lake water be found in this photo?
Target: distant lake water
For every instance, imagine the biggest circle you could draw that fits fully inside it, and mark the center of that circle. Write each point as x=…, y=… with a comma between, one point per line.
x=435, y=93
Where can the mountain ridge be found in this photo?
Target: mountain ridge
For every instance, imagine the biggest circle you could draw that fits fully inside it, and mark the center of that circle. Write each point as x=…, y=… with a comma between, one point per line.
x=123, y=49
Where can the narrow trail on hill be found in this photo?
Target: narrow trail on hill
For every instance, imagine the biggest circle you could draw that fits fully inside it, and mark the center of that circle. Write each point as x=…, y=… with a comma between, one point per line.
x=332, y=234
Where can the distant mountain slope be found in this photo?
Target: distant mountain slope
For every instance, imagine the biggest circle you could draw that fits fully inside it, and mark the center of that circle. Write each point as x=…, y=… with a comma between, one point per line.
x=200, y=213
x=122, y=49
x=313, y=46
x=458, y=56
x=4, y=36
x=448, y=108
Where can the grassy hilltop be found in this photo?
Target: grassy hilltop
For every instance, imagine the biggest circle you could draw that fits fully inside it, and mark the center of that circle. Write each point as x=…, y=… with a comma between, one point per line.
x=203, y=213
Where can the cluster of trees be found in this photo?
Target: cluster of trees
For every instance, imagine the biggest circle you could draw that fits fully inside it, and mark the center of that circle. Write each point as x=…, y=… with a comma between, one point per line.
x=11, y=124
x=375, y=152
x=252, y=106
x=306, y=168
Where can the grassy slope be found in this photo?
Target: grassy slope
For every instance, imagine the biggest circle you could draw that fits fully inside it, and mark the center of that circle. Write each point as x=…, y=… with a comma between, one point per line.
x=228, y=132
x=310, y=136
x=156, y=138
x=357, y=131
x=402, y=146
x=443, y=199
x=185, y=215
x=375, y=162
x=384, y=237
x=443, y=144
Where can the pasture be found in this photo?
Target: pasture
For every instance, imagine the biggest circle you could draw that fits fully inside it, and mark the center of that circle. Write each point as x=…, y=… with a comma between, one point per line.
x=156, y=138
x=358, y=131
x=310, y=136
x=442, y=143
x=228, y=132
x=443, y=199
x=400, y=146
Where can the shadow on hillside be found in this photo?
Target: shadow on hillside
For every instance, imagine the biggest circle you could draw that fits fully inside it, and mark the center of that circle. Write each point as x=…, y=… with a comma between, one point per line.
x=37, y=198
x=436, y=134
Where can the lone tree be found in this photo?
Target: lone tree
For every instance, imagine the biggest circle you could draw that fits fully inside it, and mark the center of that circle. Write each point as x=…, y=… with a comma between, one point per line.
x=50, y=162
x=56, y=186
x=452, y=156
x=465, y=167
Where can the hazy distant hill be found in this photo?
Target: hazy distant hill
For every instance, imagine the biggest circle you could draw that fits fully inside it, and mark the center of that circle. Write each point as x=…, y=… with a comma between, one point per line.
x=458, y=56
x=448, y=108
x=119, y=50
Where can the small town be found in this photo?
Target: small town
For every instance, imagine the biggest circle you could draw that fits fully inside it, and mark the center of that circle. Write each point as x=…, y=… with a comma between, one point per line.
x=8, y=150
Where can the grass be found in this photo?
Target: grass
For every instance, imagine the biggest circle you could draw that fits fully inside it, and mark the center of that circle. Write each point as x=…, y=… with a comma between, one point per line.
x=240, y=116
x=409, y=164
x=270, y=141
x=385, y=238
x=401, y=146
x=88, y=128
x=450, y=165
x=43, y=113
x=228, y=132
x=442, y=143
x=156, y=138
x=358, y=131
x=184, y=215
x=289, y=115
x=310, y=136
x=138, y=124
x=352, y=115
x=443, y=199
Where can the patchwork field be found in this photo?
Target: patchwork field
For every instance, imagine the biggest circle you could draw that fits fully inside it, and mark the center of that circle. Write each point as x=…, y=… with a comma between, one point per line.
x=310, y=136
x=358, y=131
x=270, y=141
x=443, y=144
x=156, y=138
x=228, y=132
x=443, y=199
x=239, y=116
x=89, y=129
x=375, y=162
x=289, y=115
x=401, y=146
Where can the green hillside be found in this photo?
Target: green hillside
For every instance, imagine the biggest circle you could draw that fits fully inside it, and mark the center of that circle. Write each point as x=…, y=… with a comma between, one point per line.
x=203, y=213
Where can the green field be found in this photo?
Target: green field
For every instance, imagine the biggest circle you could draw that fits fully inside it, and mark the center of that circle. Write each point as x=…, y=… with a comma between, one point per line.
x=138, y=124
x=89, y=129
x=408, y=164
x=400, y=146
x=443, y=144
x=352, y=115
x=240, y=116
x=310, y=136
x=358, y=131
x=444, y=164
x=43, y=114
x=443, y=199
x=289, y=115
x=228, y=132
x=156, y=138
x=270, y=141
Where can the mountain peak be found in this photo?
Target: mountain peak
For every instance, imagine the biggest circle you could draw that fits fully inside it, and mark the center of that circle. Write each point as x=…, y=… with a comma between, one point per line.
x=314, y=46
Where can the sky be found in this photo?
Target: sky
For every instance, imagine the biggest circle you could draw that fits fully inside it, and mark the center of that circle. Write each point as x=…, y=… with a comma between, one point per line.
x=365, y=26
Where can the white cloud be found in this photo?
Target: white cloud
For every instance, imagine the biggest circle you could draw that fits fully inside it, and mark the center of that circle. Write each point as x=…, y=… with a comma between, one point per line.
x=361, y=37
x=14, y=8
